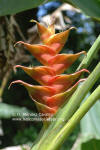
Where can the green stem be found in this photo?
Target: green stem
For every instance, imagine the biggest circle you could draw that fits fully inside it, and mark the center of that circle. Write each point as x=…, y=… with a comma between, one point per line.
x=68, y=128
x=90, y=55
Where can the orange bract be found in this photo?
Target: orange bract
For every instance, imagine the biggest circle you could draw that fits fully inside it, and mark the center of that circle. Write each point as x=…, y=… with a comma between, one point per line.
x=55, y=89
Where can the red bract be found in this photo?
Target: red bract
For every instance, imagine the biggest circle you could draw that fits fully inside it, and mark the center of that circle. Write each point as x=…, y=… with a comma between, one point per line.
x=55, y=89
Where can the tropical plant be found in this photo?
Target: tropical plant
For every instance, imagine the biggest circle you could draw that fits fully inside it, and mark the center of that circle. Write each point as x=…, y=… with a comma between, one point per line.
x=57, y=99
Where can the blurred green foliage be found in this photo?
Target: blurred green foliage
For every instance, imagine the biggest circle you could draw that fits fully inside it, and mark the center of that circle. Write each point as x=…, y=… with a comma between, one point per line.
x=70, y=141
x=28, y=135
x=90, y=7
x=17, y=6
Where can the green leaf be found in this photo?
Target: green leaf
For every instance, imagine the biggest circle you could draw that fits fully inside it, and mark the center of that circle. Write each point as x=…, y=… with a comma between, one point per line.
x=90, y=7
x=90, y=127
x=90, y=124
x=8, y=7
x=90, y=130
x=8, y=111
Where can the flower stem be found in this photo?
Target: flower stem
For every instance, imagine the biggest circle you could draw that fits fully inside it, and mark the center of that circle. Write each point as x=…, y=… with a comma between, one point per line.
x=90, y=55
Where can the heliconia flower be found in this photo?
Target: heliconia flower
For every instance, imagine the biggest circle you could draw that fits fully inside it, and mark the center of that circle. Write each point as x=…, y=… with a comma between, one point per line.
x=62, y=83
x=47, y=57
x=48, y=36
x=44, y=32
x=42, y=96
x=61, y=62
x=57, y=100
x=55, y=89
x=46, y=76
x=42, y=53
x=58, y=40
x=46, y=111
x=38, y=93
x=42, y=74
